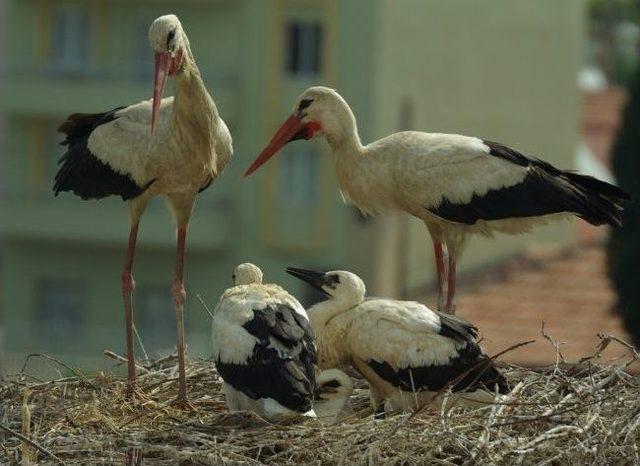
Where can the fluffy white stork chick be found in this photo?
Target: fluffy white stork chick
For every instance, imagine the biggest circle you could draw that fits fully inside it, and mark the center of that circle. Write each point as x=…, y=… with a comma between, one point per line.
x=174, y=147
x=407, y=352
x=331, y=400
x=263, y=348
x=457, y=185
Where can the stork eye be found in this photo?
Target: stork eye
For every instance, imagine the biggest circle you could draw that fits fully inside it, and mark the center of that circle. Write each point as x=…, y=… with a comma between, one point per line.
x=331, y=383
x=304, y=104
x=170, y=37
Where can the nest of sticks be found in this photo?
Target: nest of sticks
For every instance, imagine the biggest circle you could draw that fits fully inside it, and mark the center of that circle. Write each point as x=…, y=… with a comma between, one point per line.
x=586, y=412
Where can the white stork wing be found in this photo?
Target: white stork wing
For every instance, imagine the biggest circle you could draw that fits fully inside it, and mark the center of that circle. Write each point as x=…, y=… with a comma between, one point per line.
x=465, y=180
x=126, y=143
x=401, y=333
x=430, y=167
x=107, y=153
x=414, y=348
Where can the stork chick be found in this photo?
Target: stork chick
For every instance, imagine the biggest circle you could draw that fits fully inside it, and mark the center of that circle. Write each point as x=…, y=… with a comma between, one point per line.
x=407, y=352
x=174, y=147
x=457, y=185
x=263, y=348
x=331, y=400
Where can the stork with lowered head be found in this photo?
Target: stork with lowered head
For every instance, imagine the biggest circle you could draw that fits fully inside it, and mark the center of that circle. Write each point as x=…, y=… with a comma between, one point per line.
x=174, y=147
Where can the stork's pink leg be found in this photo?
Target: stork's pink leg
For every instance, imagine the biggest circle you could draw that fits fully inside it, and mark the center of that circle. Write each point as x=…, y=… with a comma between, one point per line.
x=128, y=285
x=442, y=277
x=180, y=294
x=451, y=290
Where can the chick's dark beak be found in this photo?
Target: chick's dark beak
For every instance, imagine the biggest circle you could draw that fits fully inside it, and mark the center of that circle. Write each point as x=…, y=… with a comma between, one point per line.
x=315, y=279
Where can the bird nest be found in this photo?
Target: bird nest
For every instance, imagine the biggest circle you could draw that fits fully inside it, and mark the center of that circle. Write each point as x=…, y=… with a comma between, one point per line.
x=581, y=413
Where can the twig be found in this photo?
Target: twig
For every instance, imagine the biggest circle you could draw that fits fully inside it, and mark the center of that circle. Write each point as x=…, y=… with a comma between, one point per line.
x=144, y=351
x=31, y=442
x=607, y=338
x=117, y=357
x=66, y=366
x=206, y=308
x=553, y=342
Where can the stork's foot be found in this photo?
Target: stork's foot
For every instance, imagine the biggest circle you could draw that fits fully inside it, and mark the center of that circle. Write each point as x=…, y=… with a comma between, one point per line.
x=379, y=412
x=136, y=396
x=183, y=403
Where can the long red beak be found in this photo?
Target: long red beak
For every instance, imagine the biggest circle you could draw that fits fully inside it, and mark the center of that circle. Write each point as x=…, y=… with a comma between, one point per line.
x=163, y=61
x=287, y=132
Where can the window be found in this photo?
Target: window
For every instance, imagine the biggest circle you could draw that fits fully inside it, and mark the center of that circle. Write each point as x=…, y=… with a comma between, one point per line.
x=71, y=39
x=298, y=182
x=141, y=54
x=154, y=315
x=61, y=308
x=304, y=47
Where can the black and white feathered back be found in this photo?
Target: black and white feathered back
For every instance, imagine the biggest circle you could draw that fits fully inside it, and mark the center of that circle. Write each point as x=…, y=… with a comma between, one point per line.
x=108, y=153
x=263, y=347
x=410, y=346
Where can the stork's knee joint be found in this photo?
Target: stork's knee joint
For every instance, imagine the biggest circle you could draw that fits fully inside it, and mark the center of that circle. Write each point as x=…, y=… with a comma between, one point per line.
x=178, y=291
x=127, y=281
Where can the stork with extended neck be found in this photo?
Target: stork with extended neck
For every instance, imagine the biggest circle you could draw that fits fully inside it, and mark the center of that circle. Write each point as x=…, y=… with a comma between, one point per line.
x=408, y=353
x=173, y=147
x=457, y=185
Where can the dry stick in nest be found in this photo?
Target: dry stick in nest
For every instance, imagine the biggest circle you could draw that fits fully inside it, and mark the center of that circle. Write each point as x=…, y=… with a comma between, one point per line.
x=31, y=442
x=121, y=359
x=554, y=343
x=66, y=366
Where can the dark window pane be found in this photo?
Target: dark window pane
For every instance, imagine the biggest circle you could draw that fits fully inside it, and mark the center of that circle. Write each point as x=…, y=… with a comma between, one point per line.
x=303, y=47
x=71, y=34
x=61, y=309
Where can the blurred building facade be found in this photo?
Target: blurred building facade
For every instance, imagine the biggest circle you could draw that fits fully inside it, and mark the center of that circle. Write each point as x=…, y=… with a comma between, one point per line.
x=504, y=71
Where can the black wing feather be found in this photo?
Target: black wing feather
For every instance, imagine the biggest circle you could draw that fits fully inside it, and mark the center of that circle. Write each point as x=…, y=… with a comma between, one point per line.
x=457, y=328
x=287, y=378
x=84, y=174
x=479, y=372
x=545, y=190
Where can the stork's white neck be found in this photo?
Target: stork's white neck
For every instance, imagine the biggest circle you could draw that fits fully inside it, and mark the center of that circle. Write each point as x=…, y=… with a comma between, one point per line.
x=195, y=116
x=320, y=314
x=342, y=133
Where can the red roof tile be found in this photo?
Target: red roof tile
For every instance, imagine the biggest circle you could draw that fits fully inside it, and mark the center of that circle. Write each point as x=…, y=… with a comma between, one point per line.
x=568, y=290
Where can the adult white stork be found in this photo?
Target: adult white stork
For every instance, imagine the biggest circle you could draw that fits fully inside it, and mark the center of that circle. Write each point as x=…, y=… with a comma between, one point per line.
x=331, y=397
x=407, y=352
x=263, y=348
x=457, y=185
x=173, y=147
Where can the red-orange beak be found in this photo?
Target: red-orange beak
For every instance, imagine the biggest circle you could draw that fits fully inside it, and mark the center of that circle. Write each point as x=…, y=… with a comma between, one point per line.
x=163, y=62
x=291, y=130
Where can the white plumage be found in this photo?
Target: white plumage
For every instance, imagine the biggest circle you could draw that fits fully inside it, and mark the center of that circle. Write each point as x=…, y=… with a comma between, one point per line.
x=127, y=145
x=407, y=352
x=457, y=185
x=173, y=147
x=263, y=348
